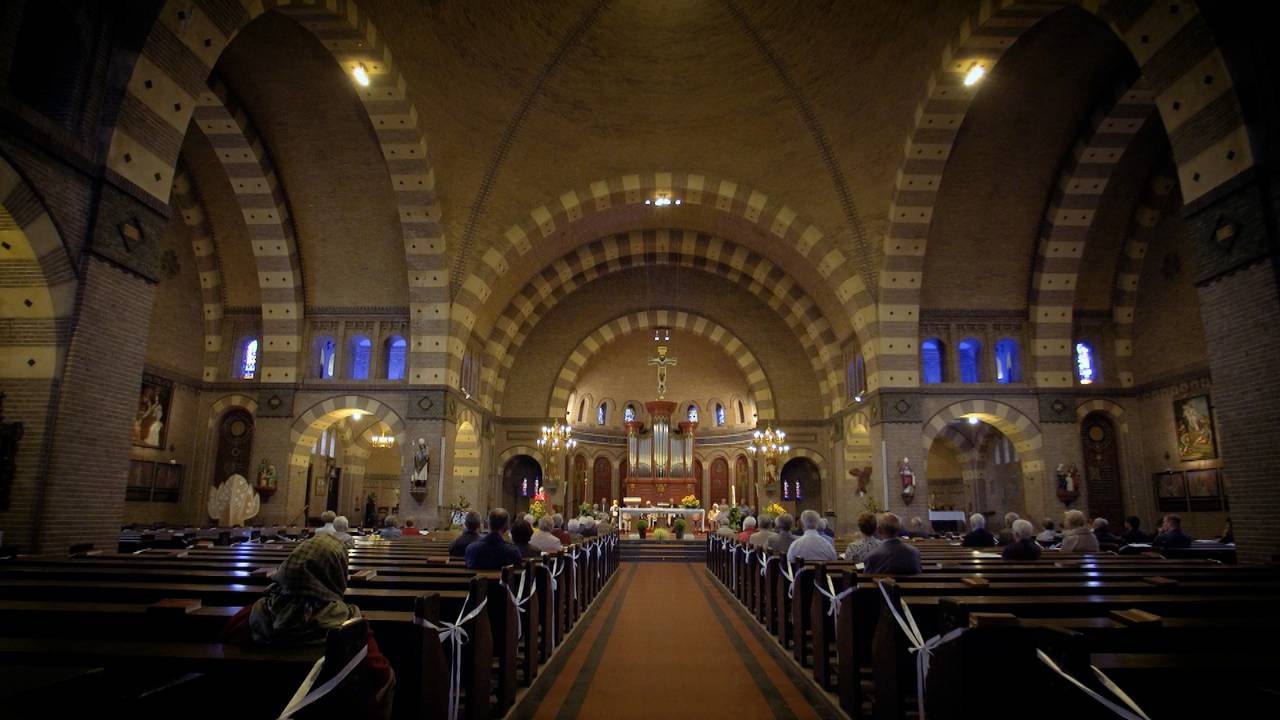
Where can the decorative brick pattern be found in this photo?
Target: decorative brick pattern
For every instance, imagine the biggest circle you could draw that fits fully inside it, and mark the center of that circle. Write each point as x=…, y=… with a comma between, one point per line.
x=186, y=201
x=1154, y=200
x=659, y=248
x=762, y=394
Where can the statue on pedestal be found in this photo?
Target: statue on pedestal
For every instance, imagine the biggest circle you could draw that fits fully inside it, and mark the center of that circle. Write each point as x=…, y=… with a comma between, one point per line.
x=421, y=465
x=908, y=480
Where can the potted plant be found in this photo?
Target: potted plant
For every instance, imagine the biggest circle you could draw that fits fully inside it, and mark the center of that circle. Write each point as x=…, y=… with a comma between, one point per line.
x=679, y=527
x=642, y=527
x=662, y=534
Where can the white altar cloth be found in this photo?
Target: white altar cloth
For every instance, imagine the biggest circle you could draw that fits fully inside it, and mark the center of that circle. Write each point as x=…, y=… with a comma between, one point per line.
x=700, y=512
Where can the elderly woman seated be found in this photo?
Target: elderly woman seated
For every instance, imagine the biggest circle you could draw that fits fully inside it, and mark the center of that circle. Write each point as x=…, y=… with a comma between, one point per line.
x=303, y=602
x=1077, y=536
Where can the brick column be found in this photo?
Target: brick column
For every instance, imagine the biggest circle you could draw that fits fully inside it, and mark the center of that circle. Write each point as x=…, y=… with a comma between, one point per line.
x=1233, y=230
x=83, y=495
x=897, y=429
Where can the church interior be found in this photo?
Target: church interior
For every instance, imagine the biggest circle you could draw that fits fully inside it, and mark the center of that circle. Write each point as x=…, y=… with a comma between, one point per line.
x=670, y=265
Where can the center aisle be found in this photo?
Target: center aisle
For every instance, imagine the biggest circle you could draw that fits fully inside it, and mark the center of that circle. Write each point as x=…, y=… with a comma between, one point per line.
x=665, y=642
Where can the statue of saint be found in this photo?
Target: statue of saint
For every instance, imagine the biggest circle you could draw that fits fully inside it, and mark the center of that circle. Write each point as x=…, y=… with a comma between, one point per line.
x=907, y=476
x=266, y=475
x=421, y=463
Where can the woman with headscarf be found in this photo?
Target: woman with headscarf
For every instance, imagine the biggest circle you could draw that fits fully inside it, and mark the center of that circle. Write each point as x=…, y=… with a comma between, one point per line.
x=303, y=602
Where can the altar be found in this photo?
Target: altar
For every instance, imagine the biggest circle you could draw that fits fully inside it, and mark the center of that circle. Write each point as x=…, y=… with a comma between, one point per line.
x=628, y=515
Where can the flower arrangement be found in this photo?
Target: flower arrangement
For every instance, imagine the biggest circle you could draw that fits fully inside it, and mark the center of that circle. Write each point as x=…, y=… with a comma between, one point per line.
x=539, y=506
x=662, y=534
x=586, y=508
x=775, y=509
x=735, y=518
x=689, y=501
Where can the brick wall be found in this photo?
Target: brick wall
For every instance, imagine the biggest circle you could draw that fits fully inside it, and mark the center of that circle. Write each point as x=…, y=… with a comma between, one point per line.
x=28, y=402
x=1241, y=313
x=89, y=462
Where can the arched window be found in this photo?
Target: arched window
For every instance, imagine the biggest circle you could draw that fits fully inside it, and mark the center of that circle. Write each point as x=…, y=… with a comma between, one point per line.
x=602, y=414
x=582, y=409
x=719, y=415
x=692, y=415
x=968, y=353
x=1008, y=369
x=396, y=347
x=742, y=415
x=932, y=361
x=629, y=413
x=1086, y=363
x=326, y=356
x=247, y=359
x=360, y=349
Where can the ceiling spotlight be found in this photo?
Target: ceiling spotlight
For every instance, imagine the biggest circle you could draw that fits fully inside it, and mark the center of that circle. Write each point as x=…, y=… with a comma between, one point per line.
x=357, y=415
x=857, y=397
x=361, y=75
x=974, y=75
x=973, y=420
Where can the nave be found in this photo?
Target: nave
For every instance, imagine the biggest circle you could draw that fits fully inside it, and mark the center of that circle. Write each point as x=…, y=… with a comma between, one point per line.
x=667, y=640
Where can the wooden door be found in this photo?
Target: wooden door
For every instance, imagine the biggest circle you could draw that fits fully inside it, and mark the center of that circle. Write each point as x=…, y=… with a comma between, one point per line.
x=601, y=481
x=235, y=446
x=1102, y=468
x=720, y=481
x=742, y=481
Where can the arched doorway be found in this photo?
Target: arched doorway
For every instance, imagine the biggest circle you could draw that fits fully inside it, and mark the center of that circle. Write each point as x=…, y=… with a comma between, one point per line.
x=742, y=481
x=720, y=481
x=801, y=483
x=235, y=446
x=466, y=466
x=521, y=478
x=578, y=486
x=1102, y=467
x=601, y=481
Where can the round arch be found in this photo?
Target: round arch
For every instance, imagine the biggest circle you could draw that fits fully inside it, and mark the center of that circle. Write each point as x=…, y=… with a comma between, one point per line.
x=1207, y=153
x=1102, y=405
x=1024, y=433
x=761, y=392
x=605, y=202
x=226, y=402
x=465, y=479
x=307, y=428
x=681, y=248
x=145, y=143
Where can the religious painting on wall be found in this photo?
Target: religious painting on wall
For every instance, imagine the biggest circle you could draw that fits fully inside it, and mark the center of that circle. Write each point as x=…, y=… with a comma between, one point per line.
x=151, y=421
x=1193, y=423
x=1171, y=491
x=1202, y=483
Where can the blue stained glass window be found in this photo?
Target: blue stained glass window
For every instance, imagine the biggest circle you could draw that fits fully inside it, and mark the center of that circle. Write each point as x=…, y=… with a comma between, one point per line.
x=249, y=360
x=969, y=352
x=931, y=361
x=693, y=413
x=361, y=349
x=396, y=347
x=1007, y=365
x=602, y=414
x=1086, y=364
x=719, y=415
x=629, y=413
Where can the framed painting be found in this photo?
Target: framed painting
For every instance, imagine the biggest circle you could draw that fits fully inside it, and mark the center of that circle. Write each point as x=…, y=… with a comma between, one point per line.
x=1202, y=483
x=151, y=420
x=1193, y=426
x=1171, y=492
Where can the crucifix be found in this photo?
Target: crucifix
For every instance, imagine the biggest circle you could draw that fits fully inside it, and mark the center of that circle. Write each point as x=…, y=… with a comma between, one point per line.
x=663, y=362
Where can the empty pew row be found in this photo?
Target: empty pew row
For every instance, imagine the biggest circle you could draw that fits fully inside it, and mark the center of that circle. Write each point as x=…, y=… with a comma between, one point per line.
x=840, y=624
x=144, y=619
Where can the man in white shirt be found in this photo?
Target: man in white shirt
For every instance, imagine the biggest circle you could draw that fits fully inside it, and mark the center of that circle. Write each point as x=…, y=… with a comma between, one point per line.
x=813, y=545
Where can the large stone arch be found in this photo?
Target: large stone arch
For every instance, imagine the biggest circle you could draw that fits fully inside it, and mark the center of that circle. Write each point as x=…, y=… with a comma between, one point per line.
x=1182, y=68
x=624, y=197
x=1019, y=428
x=688, y=249
x=172, y=72
x=762, y=393
x=39, y=284
x=1072, y=208
x=186, y=200
x=1146, y=215
x=465, y=479
x=307, y=428
x=256, y=188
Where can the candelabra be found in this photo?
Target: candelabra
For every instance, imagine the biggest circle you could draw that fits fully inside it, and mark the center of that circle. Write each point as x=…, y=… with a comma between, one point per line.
x=556, y=438
x=770, y=445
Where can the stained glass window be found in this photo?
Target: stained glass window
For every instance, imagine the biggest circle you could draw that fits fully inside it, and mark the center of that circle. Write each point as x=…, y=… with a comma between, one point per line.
x=1086, y=365
x=249, y=360
x=931, y=361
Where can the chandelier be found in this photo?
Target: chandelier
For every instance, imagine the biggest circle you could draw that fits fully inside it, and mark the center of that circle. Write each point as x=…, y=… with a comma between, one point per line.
x=769, y=445
x=382, y=442
x=555, y=439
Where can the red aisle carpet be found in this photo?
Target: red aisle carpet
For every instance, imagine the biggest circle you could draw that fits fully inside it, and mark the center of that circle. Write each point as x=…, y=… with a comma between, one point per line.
x=665, y=642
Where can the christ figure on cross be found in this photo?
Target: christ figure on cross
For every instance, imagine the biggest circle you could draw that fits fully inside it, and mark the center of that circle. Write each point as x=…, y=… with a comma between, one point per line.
x=663, y=362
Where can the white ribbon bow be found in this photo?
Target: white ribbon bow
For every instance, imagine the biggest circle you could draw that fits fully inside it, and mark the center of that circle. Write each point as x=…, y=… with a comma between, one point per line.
x=922, y=648
x=574, y=557
x=1133, y=712
x=830, y=594
x=519, y=598
x=764, y=564
x=733, y=564
x=307, y=695
x=454, y=632
x=790, y=574
x=602, y=562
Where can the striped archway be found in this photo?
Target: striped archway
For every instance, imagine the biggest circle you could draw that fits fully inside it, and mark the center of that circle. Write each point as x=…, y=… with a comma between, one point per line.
x=968, y=456
x=255, y=186
x=1073, y=205
x=306, y=430
x=226, y=402
x=681, y=248
x=762, y=394
x=186, y=200
x=1146, y=215
x=465, y=480
x=1019, y=428
x=605, y=201
x=38, y=284
x=1182, y=69
x=1101, y=405
x=172, y=73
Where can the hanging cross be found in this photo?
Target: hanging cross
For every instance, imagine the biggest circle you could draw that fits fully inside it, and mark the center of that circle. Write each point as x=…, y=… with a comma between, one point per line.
x=663, y=362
